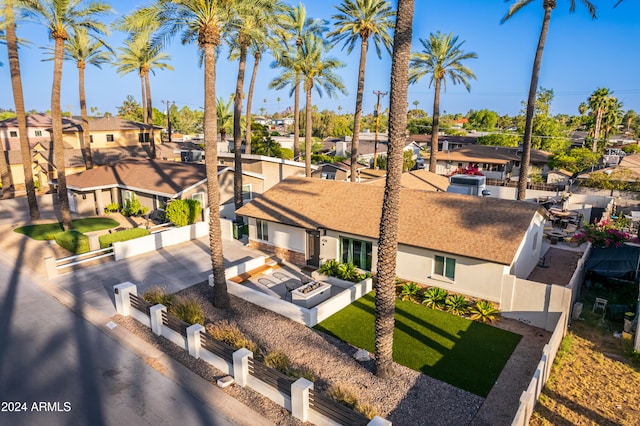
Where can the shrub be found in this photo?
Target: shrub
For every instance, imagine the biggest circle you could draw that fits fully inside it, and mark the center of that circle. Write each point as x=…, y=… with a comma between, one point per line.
x=344, y=395
x=112, y=208
x=484, y=311
x=128, y=234
x=435, y=298
x=366, y=410
x=158, y=295
x=74, y=241
x=232, y=336
x=457, y=304
x=409, y=291
x=347, y=272
x=183, y=212
x=188, y=310
x=133, y=207
x=330, y=268
x=277, y=360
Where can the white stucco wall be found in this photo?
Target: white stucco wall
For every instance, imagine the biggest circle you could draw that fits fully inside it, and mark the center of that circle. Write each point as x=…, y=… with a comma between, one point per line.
x=529, y=252
x=283, y=236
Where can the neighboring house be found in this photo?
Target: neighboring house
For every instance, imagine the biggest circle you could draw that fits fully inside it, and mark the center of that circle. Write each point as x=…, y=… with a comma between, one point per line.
x=340, y=170
x=627, y=171
x=560, y=176
x=153, y=183
x=272, y=169
x=110, y=132
x=469, y=245
x=422, y=180
x=445, y=142
x=38, y=131
x=495, y=162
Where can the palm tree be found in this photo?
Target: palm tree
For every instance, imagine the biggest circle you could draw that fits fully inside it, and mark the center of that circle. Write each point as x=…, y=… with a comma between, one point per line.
x=200, y=22
x=612, y=117
x=142, y=56
x=388, y=242
x=316, y=71
x=599, y=103
x=293, y=27
x=362, y=20
x=442, y=56
x=84, y=51
x=225, y=116
x=18, y=99
x=548, y=6
x=63, y=18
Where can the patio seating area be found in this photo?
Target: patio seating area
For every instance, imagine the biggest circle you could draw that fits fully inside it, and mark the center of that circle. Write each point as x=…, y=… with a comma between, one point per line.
x=561, y=225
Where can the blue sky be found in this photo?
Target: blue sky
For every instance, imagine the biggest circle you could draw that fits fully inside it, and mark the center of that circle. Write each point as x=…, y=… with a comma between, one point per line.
x=580, y=56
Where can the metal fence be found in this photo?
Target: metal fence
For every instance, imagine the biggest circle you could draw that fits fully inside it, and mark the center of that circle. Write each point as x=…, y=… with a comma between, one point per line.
x=336, y=411
x=138, y=303
x=217, y=347
x=270, y=376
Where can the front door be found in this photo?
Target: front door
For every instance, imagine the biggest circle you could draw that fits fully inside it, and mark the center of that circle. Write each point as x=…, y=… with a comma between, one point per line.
x=313, y=248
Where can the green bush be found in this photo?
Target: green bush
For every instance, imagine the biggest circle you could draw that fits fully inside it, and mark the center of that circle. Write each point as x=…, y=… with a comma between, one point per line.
x=133, y=207
x=330, y=268
x=484, y=311
x=277, y=360
x=183, y=212
x=128, y=234
x=74, y=241
x=435, y=298
x=409, y=291
x=457, y=304
x=112, y=208
x=157, y=295
x=188, y=310
x=347, y=272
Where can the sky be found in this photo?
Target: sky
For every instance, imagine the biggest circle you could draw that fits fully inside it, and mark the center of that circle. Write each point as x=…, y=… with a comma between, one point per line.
x=580, y=56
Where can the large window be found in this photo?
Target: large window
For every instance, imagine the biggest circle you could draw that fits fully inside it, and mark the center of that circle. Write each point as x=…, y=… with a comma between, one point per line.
x=357, y=252
x=143, y=137
x=445, y=267
x=200, y=197
x=262, y=230
x=247, y=194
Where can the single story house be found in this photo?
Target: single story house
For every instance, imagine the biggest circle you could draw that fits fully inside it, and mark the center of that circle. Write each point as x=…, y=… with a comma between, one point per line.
x=272, y=169
x=340, y=170
x=461, y=243
x=109, y=132
x=153, y=183
x=422, y=180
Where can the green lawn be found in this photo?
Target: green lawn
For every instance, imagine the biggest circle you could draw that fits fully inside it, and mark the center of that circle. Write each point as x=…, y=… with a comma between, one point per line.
x=46, y=231
x=463, y=353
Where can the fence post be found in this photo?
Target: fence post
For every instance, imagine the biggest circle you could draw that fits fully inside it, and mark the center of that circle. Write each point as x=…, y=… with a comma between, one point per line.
x=50, y=266
x=379, y=421
x=94, y=242
x=241, y=366
x=156, y=318
x=122, y=294
x=193, y=340
x=300, y=398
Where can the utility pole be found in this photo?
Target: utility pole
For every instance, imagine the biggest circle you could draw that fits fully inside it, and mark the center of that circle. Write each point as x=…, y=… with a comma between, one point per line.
x=377, y=114
x=167, y=102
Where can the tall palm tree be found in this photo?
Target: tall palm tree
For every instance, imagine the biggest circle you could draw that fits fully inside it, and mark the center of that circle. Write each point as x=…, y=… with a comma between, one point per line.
x=225, y=116
x=142, y=56
x=293, y=27
x=200, y=22
x=548, y=6
x=317, y=72
x=388, y=242
x=612, y=117
x=362, y=20
x=62, y=18
x=18, y=99
x=84, y=51
x=247, y=24
x=599, y=103
x=442, y=56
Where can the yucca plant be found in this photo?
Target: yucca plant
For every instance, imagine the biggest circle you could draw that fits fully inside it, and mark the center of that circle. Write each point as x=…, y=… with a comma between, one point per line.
x=435, y=298
x=484, y=311
x=457, y=304
x=348, y=272
x=409, y=291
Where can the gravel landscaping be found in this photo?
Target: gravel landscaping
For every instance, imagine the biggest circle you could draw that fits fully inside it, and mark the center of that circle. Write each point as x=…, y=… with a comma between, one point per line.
x=410, y=398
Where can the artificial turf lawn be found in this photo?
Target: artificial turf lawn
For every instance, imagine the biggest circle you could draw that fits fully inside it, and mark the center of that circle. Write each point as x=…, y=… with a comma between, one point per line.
x=466, y=354
x=46, y=231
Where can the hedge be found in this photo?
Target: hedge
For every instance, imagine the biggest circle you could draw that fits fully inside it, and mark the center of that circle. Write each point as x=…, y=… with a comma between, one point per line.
x=128, y=234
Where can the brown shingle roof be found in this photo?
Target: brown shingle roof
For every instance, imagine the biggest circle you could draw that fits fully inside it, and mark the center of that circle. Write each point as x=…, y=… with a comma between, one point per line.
x=490, y=154
x=422, y=180
x=489, y=229
x=105, y=124
x=165, y=177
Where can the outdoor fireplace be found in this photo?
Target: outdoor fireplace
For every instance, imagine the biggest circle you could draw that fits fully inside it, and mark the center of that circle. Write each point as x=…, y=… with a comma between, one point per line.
x=311, y=294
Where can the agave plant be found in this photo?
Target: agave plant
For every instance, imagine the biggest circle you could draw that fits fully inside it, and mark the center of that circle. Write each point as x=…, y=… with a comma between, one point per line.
x=484, y=311
x=347, y=272
x=457, y=304
x=435, y=298
x=409, y=291
x=330, y=268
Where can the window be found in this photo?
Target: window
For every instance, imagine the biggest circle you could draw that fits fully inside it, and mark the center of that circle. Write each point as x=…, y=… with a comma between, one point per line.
x=445, y=267
x=109, y=137
x=127, y=196
x=38, y=132
x=328, y=175
x=247, y=194
x=143, y=137
x=91, y=138
x=535, y=241
x=200, y=197
x=262, y=230
x=162, y=202
x=13, y=134
x=357, y=252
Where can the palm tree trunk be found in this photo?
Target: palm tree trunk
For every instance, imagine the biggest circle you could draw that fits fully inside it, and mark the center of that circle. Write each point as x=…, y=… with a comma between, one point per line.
x=308, y=130
x=237, y=130
x=388, y=242
x=355, y=141
x=85, y=142
x=220, y=295
x=596, y=131
x=531, y=104
x=152, y=141
x=296, y=120
x=144, y=98
x=435, y=128
x=58, y=145
x=254, y=74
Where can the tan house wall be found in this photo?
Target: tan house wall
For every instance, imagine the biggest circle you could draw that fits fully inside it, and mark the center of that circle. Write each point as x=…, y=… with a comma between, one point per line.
x=120, y=138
